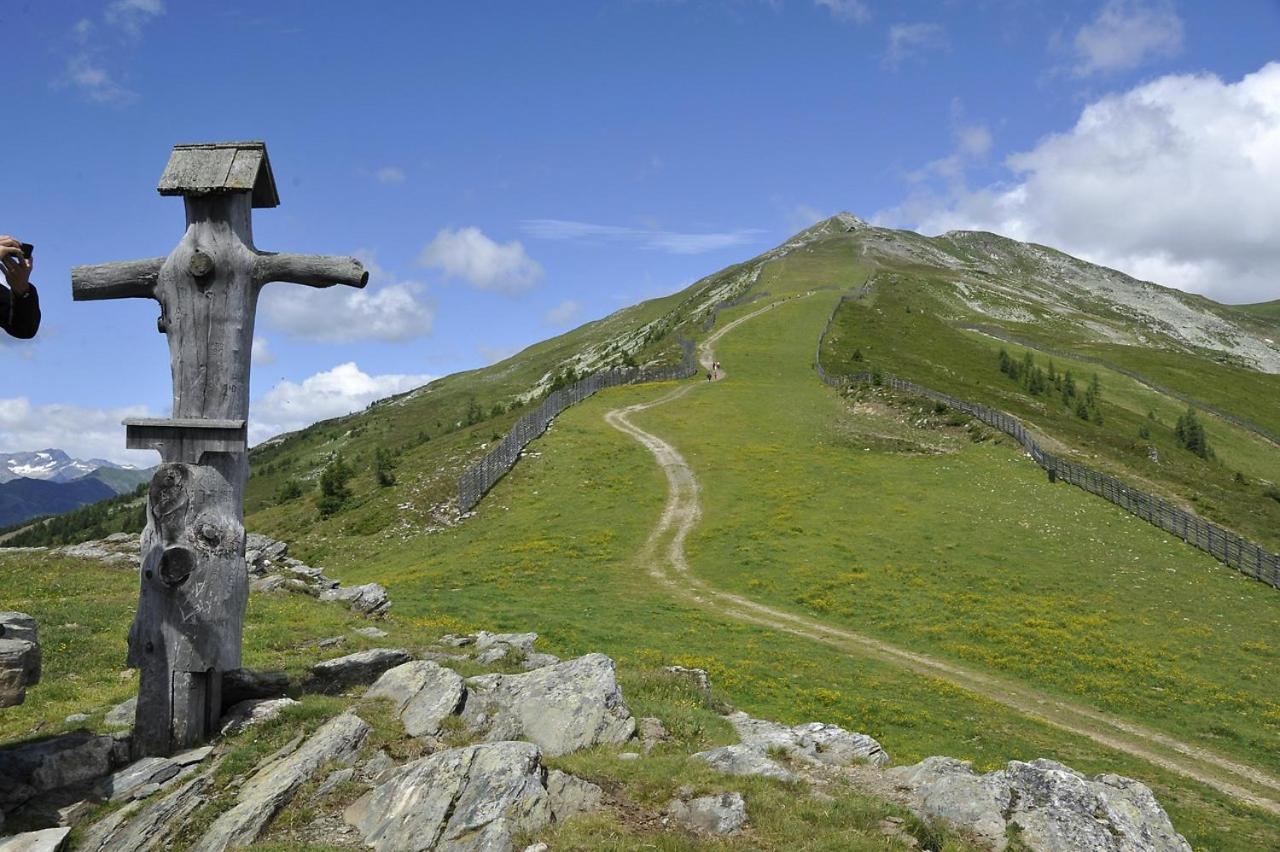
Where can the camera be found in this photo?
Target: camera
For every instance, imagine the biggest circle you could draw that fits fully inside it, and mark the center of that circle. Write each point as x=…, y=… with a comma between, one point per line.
x=27, y=249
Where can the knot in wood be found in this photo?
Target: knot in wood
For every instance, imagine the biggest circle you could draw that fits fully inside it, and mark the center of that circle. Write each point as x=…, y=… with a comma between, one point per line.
x=200, y=266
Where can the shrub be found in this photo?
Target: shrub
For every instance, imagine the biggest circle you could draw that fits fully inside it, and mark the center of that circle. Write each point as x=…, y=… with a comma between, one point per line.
x=290, y=489
x=1191, y=435
x=384, y=463
x=334, y=493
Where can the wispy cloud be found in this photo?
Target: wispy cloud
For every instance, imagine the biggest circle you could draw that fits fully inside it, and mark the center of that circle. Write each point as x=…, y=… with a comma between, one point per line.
x=563, y=313
x=332, y=393
x=1126, y=34
x=672, y=242
x=101, y=45
x=847, y=10
x=390, y=174
x=83, y=432
x=907, y=40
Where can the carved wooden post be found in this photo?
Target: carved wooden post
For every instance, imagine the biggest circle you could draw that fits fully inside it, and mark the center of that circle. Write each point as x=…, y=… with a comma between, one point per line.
x=187, y=630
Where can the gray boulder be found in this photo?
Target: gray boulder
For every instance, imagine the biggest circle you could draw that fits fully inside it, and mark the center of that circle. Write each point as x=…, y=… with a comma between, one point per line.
x=19, y=657
x=140, y=828
x=45, y=840
x=122, y=715
x=245, y=684
x=720, y=814
x=562, y=707
x=745, y=760
x=571, y=795
x=276, y=783
x=812, y=742
x=370, y=599
x=472, y=799
x=424, y=694
x=32, y=769
x=1054, y=808
x=362, y=667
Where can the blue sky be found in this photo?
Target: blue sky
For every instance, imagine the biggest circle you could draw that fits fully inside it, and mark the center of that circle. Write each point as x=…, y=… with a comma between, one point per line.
x=510, y=170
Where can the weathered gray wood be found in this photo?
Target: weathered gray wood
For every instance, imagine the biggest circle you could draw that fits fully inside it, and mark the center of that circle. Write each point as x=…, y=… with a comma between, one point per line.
x=193, y=583
x=186, y=439
x=312, y=270
x=120, y=280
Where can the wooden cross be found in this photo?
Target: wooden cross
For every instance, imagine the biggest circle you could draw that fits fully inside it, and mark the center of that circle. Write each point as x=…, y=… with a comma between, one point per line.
x=194, y=585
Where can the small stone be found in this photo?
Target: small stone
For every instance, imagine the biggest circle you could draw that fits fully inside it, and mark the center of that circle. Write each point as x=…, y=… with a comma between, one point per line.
x=537, y=847
x=456, y=641
x=571, y=795
x=698, y=677
x=121, y=716
x=77, y=718
x=720, y=814
x=377, y=764
x=370, y=632
x=628, y=755
x=652, y=732
x=744, y=760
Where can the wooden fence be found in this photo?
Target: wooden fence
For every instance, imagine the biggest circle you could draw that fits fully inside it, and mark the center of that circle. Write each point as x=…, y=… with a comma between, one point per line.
x=1221, y=544
x=476, y=480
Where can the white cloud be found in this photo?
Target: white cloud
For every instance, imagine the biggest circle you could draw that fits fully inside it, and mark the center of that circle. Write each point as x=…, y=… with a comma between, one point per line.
x=1173, y=181
x=907, y=40
x=672, y=242
x=94, y=81
x=84, y=433
x=390, y=174
x=1126, y=34
x=261, y=353
x=847, y=10
x=487, y=265
x=132, y=15
x=563, y=313
x=387, y=309
x=346, y=388
x=391, y=313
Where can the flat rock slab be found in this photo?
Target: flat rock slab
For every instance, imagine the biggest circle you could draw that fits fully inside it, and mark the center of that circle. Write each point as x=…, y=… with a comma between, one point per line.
x=1053, y=807
x=140, y=828
x=472, y=799
x=122, y=715
x=719, y=814
x=562, y=707
x=571, y=795
x=275, y=784
x=255, y=711
x=812, y=742
x=745, y=760
x=46, y=840
x=358, y=669
x=424, y=694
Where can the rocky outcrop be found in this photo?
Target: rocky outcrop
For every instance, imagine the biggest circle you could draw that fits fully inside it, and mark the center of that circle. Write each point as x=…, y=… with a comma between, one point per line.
x=255, y=711
x=719, y=814
x=424, y=694
x=246, y=684
x=473, y=799
x=562, y=707
x=1053, y=808
x=139, y=827
x=122, y=715
x=274, y=786
x=272, y=569
x=813, y=743
x=19, y=657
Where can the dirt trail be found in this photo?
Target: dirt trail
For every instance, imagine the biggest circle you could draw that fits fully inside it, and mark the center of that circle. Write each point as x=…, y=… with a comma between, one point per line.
x=664, y=555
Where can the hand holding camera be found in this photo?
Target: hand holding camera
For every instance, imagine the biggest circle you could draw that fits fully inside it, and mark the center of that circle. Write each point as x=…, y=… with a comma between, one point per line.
x=15, y=258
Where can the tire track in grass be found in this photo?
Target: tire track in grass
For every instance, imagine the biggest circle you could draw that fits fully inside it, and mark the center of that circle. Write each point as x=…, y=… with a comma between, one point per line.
x=664, y=555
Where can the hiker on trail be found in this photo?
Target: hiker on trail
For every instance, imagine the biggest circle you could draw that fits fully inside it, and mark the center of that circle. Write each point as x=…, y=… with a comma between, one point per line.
x=19, y=304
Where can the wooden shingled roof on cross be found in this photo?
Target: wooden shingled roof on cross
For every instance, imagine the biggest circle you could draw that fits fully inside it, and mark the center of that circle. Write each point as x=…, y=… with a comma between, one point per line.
x=214, y=167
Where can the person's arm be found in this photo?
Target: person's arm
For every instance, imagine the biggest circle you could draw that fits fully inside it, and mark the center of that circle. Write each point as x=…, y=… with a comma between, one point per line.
x=22, y=318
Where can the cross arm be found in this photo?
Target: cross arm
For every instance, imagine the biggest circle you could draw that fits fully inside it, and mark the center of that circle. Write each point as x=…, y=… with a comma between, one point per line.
x=122, y=280
x=314, y=270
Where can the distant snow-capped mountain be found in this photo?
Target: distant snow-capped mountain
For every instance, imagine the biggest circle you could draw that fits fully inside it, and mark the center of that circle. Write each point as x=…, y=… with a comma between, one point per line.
x=51, y=465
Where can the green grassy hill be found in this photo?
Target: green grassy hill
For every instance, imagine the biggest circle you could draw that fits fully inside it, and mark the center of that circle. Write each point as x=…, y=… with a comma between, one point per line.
x=866, y=512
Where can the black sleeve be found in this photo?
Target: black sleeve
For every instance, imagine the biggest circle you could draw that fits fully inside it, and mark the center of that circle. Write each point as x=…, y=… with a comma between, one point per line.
x=22, y=315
